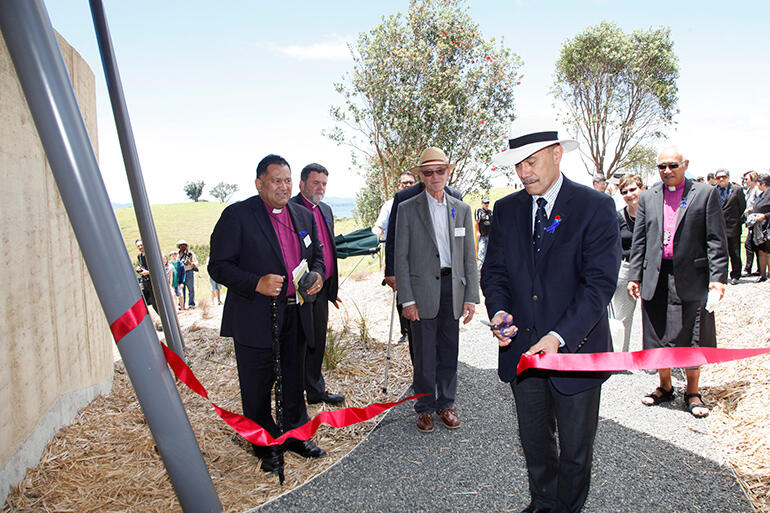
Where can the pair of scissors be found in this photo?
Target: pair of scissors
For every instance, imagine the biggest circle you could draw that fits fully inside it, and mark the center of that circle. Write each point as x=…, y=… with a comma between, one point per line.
x=499, y=327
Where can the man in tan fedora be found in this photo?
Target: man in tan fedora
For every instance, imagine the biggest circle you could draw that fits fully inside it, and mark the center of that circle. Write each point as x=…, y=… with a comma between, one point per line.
x=390, y=237
x=438, y=282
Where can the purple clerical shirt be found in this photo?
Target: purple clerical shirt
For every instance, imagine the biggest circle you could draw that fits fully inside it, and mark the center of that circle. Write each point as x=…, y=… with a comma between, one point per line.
x=672, y=201
x=323, y=237
x=288, y=240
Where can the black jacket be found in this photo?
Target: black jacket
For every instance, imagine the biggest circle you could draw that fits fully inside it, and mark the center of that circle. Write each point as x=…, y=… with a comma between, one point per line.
x=244, y=247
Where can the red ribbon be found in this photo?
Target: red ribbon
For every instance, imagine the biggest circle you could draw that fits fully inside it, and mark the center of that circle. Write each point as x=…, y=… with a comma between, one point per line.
x=254, y=433
x=128, y=321
x=659, y=358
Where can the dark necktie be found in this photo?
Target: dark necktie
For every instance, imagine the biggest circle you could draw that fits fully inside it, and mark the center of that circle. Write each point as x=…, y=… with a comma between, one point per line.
x=722, y=194
x=540, y=221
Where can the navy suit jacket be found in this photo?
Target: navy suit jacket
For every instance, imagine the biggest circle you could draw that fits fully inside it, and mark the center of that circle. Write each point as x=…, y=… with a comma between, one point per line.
x=390, y=240
x=326, y=210
x=566, y=289
x=244, y=247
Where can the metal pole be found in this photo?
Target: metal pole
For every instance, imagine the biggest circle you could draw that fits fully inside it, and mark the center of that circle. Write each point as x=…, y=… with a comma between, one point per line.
x=39, y=65
x=160, y=289
x=390, y=339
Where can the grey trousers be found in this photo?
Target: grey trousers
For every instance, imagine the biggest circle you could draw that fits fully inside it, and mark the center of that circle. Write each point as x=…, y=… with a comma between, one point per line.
x=435, y=355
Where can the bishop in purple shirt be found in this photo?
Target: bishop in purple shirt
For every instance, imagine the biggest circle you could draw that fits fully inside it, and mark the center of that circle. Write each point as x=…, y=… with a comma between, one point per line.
x=312, y=188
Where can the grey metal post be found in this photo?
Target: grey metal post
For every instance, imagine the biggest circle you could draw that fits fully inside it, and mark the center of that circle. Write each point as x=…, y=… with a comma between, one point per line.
x=36, y=56
x=160, y=289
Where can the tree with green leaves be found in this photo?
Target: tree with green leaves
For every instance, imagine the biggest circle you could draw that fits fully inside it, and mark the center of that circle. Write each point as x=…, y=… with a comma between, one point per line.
x=194, y=190
x=224, y=191
x=617, y=91
x=426, y=78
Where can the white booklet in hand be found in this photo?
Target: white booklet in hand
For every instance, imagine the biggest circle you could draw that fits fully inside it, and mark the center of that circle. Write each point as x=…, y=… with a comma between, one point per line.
x=296, y=275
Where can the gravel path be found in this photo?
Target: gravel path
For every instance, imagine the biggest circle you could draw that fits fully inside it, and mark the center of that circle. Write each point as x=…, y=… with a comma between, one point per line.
x=652, y=460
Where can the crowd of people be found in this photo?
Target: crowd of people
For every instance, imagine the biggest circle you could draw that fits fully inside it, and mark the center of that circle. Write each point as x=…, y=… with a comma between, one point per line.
x=179, y=267
x=555, y=263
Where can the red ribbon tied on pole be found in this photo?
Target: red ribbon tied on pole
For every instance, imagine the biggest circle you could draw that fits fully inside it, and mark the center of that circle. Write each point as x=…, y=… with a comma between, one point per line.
x=247, y=428
x=659, y=358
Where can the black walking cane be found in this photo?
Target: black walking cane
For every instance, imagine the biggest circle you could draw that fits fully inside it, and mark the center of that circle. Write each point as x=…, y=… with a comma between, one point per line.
x=278, y=379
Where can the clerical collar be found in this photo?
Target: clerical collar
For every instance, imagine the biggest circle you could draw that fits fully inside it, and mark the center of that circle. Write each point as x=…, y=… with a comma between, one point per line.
x=674, y=188
x=308, y=203
x=277, y=210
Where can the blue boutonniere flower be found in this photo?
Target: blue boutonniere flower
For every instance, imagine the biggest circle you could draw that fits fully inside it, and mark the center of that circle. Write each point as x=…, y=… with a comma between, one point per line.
x=302, y=235
x=453, y=212
x=683, y=204
x=552, y=228
x=327, y=219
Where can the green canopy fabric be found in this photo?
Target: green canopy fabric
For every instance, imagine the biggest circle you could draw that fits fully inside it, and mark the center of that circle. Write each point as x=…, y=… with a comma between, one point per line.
x=359, y=242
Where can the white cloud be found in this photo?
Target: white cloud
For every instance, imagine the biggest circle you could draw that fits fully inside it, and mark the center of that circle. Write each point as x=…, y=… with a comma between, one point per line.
x=334, y=49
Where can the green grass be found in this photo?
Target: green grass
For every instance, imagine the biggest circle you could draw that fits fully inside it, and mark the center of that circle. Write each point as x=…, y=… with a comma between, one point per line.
x=192, y=222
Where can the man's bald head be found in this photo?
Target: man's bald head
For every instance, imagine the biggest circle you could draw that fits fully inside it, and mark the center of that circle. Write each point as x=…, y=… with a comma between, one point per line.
x=672, y=165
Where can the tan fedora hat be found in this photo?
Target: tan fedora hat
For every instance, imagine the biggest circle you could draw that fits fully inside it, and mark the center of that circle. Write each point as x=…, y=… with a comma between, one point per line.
x=431, y=157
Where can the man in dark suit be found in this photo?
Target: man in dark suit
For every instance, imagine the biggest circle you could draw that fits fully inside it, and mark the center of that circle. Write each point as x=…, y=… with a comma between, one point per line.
x=255, y=246
x=390, y=243
x=679, y=258
x=435, y=240
x=733, y=205
x=312, y=188
x=550, y=271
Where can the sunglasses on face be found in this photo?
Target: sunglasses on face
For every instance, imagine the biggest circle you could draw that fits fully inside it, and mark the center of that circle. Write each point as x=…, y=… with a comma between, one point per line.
x=671, y=165
x=439, y=172
x=630, y=189
x=721, y=178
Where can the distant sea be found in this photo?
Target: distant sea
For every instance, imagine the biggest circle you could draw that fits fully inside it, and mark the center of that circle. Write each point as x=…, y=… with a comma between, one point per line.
x=342, y=207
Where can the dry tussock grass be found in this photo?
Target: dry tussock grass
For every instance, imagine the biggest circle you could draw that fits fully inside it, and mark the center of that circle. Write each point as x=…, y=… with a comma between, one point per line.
x=740, y=391
x=106, y=460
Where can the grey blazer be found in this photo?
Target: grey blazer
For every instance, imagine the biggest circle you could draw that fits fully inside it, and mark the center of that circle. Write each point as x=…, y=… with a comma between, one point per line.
x=416, y=259
x=700, y=242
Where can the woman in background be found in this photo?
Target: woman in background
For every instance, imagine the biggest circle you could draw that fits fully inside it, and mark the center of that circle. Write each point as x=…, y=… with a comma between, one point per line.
x=623, y=305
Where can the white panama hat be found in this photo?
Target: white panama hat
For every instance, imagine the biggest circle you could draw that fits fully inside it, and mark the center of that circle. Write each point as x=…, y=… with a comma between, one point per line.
x=525, y=140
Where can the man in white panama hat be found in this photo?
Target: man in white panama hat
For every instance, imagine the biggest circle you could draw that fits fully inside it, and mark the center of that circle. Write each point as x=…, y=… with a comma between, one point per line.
x=550, y=270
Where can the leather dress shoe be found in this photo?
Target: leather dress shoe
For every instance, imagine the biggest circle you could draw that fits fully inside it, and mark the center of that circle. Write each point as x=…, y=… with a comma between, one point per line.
x=306, y=449
x=733, y=281
x=534, y=509
x=425, y=422
x=271, y=458
x=449, y=417
x=333, y=399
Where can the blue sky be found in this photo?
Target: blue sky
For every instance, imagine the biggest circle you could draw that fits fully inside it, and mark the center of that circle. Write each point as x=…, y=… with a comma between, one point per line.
x=214, y=86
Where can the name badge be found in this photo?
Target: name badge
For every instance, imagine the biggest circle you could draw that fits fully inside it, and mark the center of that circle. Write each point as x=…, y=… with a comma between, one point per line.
x=307, y=240
x=460, y=231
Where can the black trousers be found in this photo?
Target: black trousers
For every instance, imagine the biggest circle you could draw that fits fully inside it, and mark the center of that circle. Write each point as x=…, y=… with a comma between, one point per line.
x=436, y=345
x=734, y=250
x=256, y=376
x=751, y=250
x=559, y=478
x=314, y=353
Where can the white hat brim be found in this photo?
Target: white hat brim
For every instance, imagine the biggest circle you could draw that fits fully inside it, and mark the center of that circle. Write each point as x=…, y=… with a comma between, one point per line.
x=514, y=156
